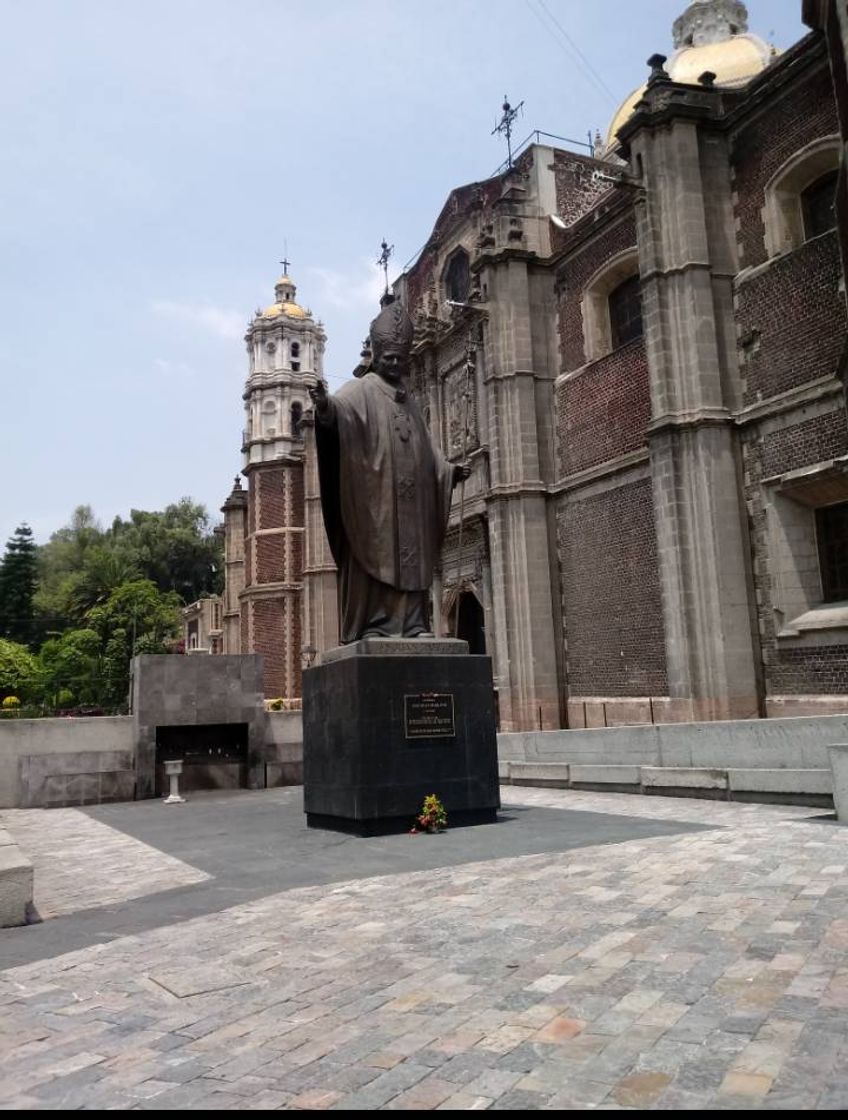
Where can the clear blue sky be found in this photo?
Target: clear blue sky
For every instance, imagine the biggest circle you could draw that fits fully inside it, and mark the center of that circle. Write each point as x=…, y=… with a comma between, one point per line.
x=155, y=157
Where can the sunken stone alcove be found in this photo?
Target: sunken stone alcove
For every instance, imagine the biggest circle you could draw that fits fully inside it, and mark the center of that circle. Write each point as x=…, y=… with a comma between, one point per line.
x=195, y=706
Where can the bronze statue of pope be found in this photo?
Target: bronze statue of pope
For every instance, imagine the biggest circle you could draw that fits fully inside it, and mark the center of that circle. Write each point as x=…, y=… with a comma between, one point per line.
x=385, y=490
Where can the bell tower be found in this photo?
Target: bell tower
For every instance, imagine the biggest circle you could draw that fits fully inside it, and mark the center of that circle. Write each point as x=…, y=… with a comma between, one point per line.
x=285, y=347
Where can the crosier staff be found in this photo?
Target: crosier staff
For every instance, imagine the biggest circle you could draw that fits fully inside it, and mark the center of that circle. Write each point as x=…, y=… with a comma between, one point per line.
x=466, y=470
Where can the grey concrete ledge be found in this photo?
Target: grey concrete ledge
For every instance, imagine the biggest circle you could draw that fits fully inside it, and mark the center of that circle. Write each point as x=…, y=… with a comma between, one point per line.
x=747, y=784
x=396, y=647
x=16, y=883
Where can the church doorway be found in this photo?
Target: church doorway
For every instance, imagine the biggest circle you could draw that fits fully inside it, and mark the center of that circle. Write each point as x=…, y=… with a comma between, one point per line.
x=471, y=626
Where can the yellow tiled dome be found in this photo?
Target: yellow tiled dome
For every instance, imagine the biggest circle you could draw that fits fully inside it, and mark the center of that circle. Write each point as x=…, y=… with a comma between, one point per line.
x=710, y=35
x=284, y=308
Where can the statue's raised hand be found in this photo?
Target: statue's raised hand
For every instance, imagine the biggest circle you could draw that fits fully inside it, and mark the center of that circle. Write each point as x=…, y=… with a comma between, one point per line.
x=461, y=471
x=320, y=397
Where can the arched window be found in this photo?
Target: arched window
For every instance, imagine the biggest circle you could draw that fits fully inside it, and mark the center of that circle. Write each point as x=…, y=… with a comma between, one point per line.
x=457, y=277
x=296, y=417
x=799, y=197
x=612, y=306
x=295, y=349
x=818, y=205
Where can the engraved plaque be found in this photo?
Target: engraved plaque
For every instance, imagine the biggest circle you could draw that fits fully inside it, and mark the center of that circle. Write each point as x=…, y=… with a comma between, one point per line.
x=429, y=715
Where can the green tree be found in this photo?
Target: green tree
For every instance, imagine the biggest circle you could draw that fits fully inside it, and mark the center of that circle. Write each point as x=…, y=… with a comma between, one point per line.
x=136, y=618
x=18, y=580
x=59, y=601
x=20, y=672
x=176, y=548
x=71, y=664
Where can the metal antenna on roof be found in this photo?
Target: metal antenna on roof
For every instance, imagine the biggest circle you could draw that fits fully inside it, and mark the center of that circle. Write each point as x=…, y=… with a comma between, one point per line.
x=383, y=261
x=505, y=124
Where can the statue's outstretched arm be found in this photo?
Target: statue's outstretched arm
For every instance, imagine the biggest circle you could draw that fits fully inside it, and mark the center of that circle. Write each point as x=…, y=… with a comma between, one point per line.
x=325, y=409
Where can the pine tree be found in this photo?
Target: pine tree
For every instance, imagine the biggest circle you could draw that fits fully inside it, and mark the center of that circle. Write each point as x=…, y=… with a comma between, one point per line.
x=18, y=579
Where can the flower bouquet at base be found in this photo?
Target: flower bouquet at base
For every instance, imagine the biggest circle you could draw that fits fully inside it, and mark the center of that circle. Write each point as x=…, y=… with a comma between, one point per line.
x=433, y=816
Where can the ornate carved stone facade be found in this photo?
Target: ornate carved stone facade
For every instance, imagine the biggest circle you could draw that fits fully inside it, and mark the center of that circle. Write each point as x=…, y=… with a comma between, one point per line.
x=642, y=530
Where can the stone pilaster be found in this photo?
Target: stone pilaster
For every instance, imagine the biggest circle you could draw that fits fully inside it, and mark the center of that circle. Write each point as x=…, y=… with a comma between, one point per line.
x=320, y=594
x=234, y=510
x=687, y=259
x=522, y=589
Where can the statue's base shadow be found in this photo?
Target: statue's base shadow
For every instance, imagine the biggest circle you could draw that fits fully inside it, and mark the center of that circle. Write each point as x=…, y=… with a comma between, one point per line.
x=392, y=826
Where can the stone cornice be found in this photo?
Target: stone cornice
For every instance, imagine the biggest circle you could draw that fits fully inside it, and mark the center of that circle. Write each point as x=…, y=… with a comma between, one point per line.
x=600, y=470
x=269, y=590
x=690, y=418
x=819, y=389
x=515, y=490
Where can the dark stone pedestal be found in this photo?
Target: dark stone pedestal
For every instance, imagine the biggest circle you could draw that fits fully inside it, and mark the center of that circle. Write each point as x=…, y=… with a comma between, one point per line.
x=386, y=722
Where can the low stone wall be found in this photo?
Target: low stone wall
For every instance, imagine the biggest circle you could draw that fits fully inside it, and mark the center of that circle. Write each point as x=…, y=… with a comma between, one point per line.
x=47, y=763
x=54, y=761
x=284, y=749
x=796, y=743
x=767, y=759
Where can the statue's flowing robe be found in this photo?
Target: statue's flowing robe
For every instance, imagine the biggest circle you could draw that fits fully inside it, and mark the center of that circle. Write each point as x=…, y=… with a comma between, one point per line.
x=385, y=493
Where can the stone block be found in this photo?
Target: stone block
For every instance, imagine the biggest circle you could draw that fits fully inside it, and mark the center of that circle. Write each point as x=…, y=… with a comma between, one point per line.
x=780, y=781
x=16, y=882
x=683, y=777
x=397, y=647
x=549, y=773
x=668, y=709
x=838, y=753
x=372, y=750
x=55, y=790
x=626, y=713
x=595, y=713
x=575, y=713
x=605, y=775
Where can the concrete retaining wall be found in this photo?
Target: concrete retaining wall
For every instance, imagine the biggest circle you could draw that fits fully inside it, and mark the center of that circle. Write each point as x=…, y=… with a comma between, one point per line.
x=776, y=744
x=23, y=740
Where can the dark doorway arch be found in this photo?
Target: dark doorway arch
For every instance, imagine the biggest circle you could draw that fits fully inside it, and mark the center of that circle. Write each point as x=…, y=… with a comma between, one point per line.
x=471, y=626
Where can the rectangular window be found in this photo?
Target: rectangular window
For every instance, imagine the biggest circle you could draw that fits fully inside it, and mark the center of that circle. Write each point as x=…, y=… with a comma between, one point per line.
x=625, y=312
x=832, y=537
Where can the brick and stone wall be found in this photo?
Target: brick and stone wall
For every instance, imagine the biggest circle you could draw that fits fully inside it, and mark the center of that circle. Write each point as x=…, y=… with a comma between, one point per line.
x=272, y=600
x=603, y=411
x=791, y=331
x=803, y=111
x=791, y=320
x=611, y=595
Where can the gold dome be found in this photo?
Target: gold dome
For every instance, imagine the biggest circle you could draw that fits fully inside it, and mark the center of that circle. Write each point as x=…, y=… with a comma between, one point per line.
x=293, y=310
x=622, y=114
x=710, y=35
x=734, y=62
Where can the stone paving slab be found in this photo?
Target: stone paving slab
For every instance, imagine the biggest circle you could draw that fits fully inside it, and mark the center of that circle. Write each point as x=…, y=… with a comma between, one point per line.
x=83, y=864
x=702, y=969
x=115, y=870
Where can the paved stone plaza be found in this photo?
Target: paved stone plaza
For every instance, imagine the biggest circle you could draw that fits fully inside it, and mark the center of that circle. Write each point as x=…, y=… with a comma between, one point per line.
x=589, y=950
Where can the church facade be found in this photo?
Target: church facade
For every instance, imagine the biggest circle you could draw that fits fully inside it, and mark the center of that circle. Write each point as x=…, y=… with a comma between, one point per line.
x=641, y=354
x=643, y=357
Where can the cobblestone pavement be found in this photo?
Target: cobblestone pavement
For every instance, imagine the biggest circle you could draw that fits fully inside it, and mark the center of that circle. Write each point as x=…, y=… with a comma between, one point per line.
x=704, y=969
x=60, y=844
